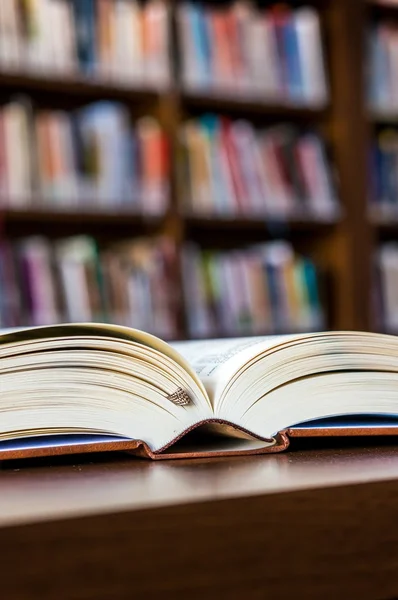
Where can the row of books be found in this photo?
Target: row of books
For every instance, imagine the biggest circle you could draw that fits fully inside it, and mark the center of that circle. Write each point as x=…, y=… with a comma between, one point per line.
x=262, y=289
x=383, y=68
x=230, y=168
x=384, y=171
x=86, y=159
x=387, y=286
x=274, y=53
x=118, y=40
x=258, y=290
x=129, y=283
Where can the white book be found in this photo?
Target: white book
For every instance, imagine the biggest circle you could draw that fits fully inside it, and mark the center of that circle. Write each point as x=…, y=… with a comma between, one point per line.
x=135, y=67
x=125, y=67
x=17, y=144
x=85, y=387
x=264, y=67
x=72, y=255
x=67, y=61
x=10, y=35
x=312, y=63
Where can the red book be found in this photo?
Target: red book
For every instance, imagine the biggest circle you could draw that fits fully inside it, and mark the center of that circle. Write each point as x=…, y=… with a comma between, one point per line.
x=234, y=166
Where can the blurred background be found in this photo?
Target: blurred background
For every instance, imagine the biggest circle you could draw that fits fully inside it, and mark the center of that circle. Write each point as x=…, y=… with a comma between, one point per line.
x=199, y=169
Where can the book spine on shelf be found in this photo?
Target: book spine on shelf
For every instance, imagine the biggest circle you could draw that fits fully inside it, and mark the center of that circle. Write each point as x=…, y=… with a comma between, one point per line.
x=385, y=175
x=119, y=41
x=274, y=54
x=93, y=158
x=235, y=169
x=262, y=289
x=387, y=266
x=43, y=282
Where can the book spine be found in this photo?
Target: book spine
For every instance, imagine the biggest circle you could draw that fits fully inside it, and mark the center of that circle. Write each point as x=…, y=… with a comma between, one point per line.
x=262, y=289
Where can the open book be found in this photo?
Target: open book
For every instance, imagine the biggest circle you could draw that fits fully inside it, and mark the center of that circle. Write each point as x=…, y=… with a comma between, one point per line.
x=85, y=388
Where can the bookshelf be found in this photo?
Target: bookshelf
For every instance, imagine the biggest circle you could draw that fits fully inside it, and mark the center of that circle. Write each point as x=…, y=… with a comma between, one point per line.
x=343, y=243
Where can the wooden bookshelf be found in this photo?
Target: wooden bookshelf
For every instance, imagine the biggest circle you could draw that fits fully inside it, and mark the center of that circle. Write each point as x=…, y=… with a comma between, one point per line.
x=294, y=222
x=343, y=244
x=242, y=105
x=85, y=87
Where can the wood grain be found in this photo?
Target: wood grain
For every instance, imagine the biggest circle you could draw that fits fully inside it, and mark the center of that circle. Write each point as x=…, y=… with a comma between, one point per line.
x=313, y=524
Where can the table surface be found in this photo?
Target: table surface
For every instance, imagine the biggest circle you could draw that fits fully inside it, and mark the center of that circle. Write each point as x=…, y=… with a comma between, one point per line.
x=39, y=490
x=320, y=523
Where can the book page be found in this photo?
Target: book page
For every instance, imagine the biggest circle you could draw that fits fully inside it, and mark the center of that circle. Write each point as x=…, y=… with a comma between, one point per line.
x=24, y=334
x=216, y=361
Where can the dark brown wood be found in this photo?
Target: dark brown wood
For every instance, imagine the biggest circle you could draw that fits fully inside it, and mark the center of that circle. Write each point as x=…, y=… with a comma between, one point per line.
x=91, y=88
x=313, y=524
x=307, y=222
x=118, y=216
x=348, y=251
x=229, y=103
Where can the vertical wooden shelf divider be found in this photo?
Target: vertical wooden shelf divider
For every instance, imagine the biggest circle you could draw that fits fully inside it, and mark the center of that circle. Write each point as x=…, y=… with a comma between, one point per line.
x=349, y=250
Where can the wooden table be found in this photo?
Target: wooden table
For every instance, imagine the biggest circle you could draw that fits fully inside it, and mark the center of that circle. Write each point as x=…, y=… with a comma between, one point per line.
x=305, y=524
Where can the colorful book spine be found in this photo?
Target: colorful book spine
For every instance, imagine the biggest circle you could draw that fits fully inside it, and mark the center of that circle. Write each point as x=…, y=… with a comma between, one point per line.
x=94, y=158
x=387, y=279
x=274, y=54
x=43, y=282
x=383, y=68
x=384, y=172
x=121, y=41
x=259, y=290
x=231, y=169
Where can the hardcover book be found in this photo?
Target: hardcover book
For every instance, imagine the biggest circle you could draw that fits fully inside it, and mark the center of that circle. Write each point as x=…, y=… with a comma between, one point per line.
x=85, y=387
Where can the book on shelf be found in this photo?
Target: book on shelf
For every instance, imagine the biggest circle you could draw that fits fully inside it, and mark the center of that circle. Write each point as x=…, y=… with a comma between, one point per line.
x=262, y=289
x=121, y=41
x=383, y=68
x=231, y=169
x=84, y=388
x=90, y=158
x=387, y=286
x=384, y=172
x=43, y=282
x=272, y=54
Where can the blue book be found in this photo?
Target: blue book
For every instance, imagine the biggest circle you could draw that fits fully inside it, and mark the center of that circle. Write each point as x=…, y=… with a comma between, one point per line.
x=211, y=127
x=201, y=41
x=293, y=64
x=85, y=18
x=380, y=75
x=311, y=279
x=275, y=292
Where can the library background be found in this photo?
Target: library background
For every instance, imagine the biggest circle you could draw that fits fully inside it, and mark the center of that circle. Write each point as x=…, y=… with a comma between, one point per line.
x=199, y=169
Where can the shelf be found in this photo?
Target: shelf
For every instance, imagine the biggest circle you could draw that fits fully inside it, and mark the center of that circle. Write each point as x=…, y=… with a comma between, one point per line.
x=388, y=117
x=233, y=103
x=294, y=222
x=49, y=216
x=78, y=86
x=383, y=6
x=385, y=221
